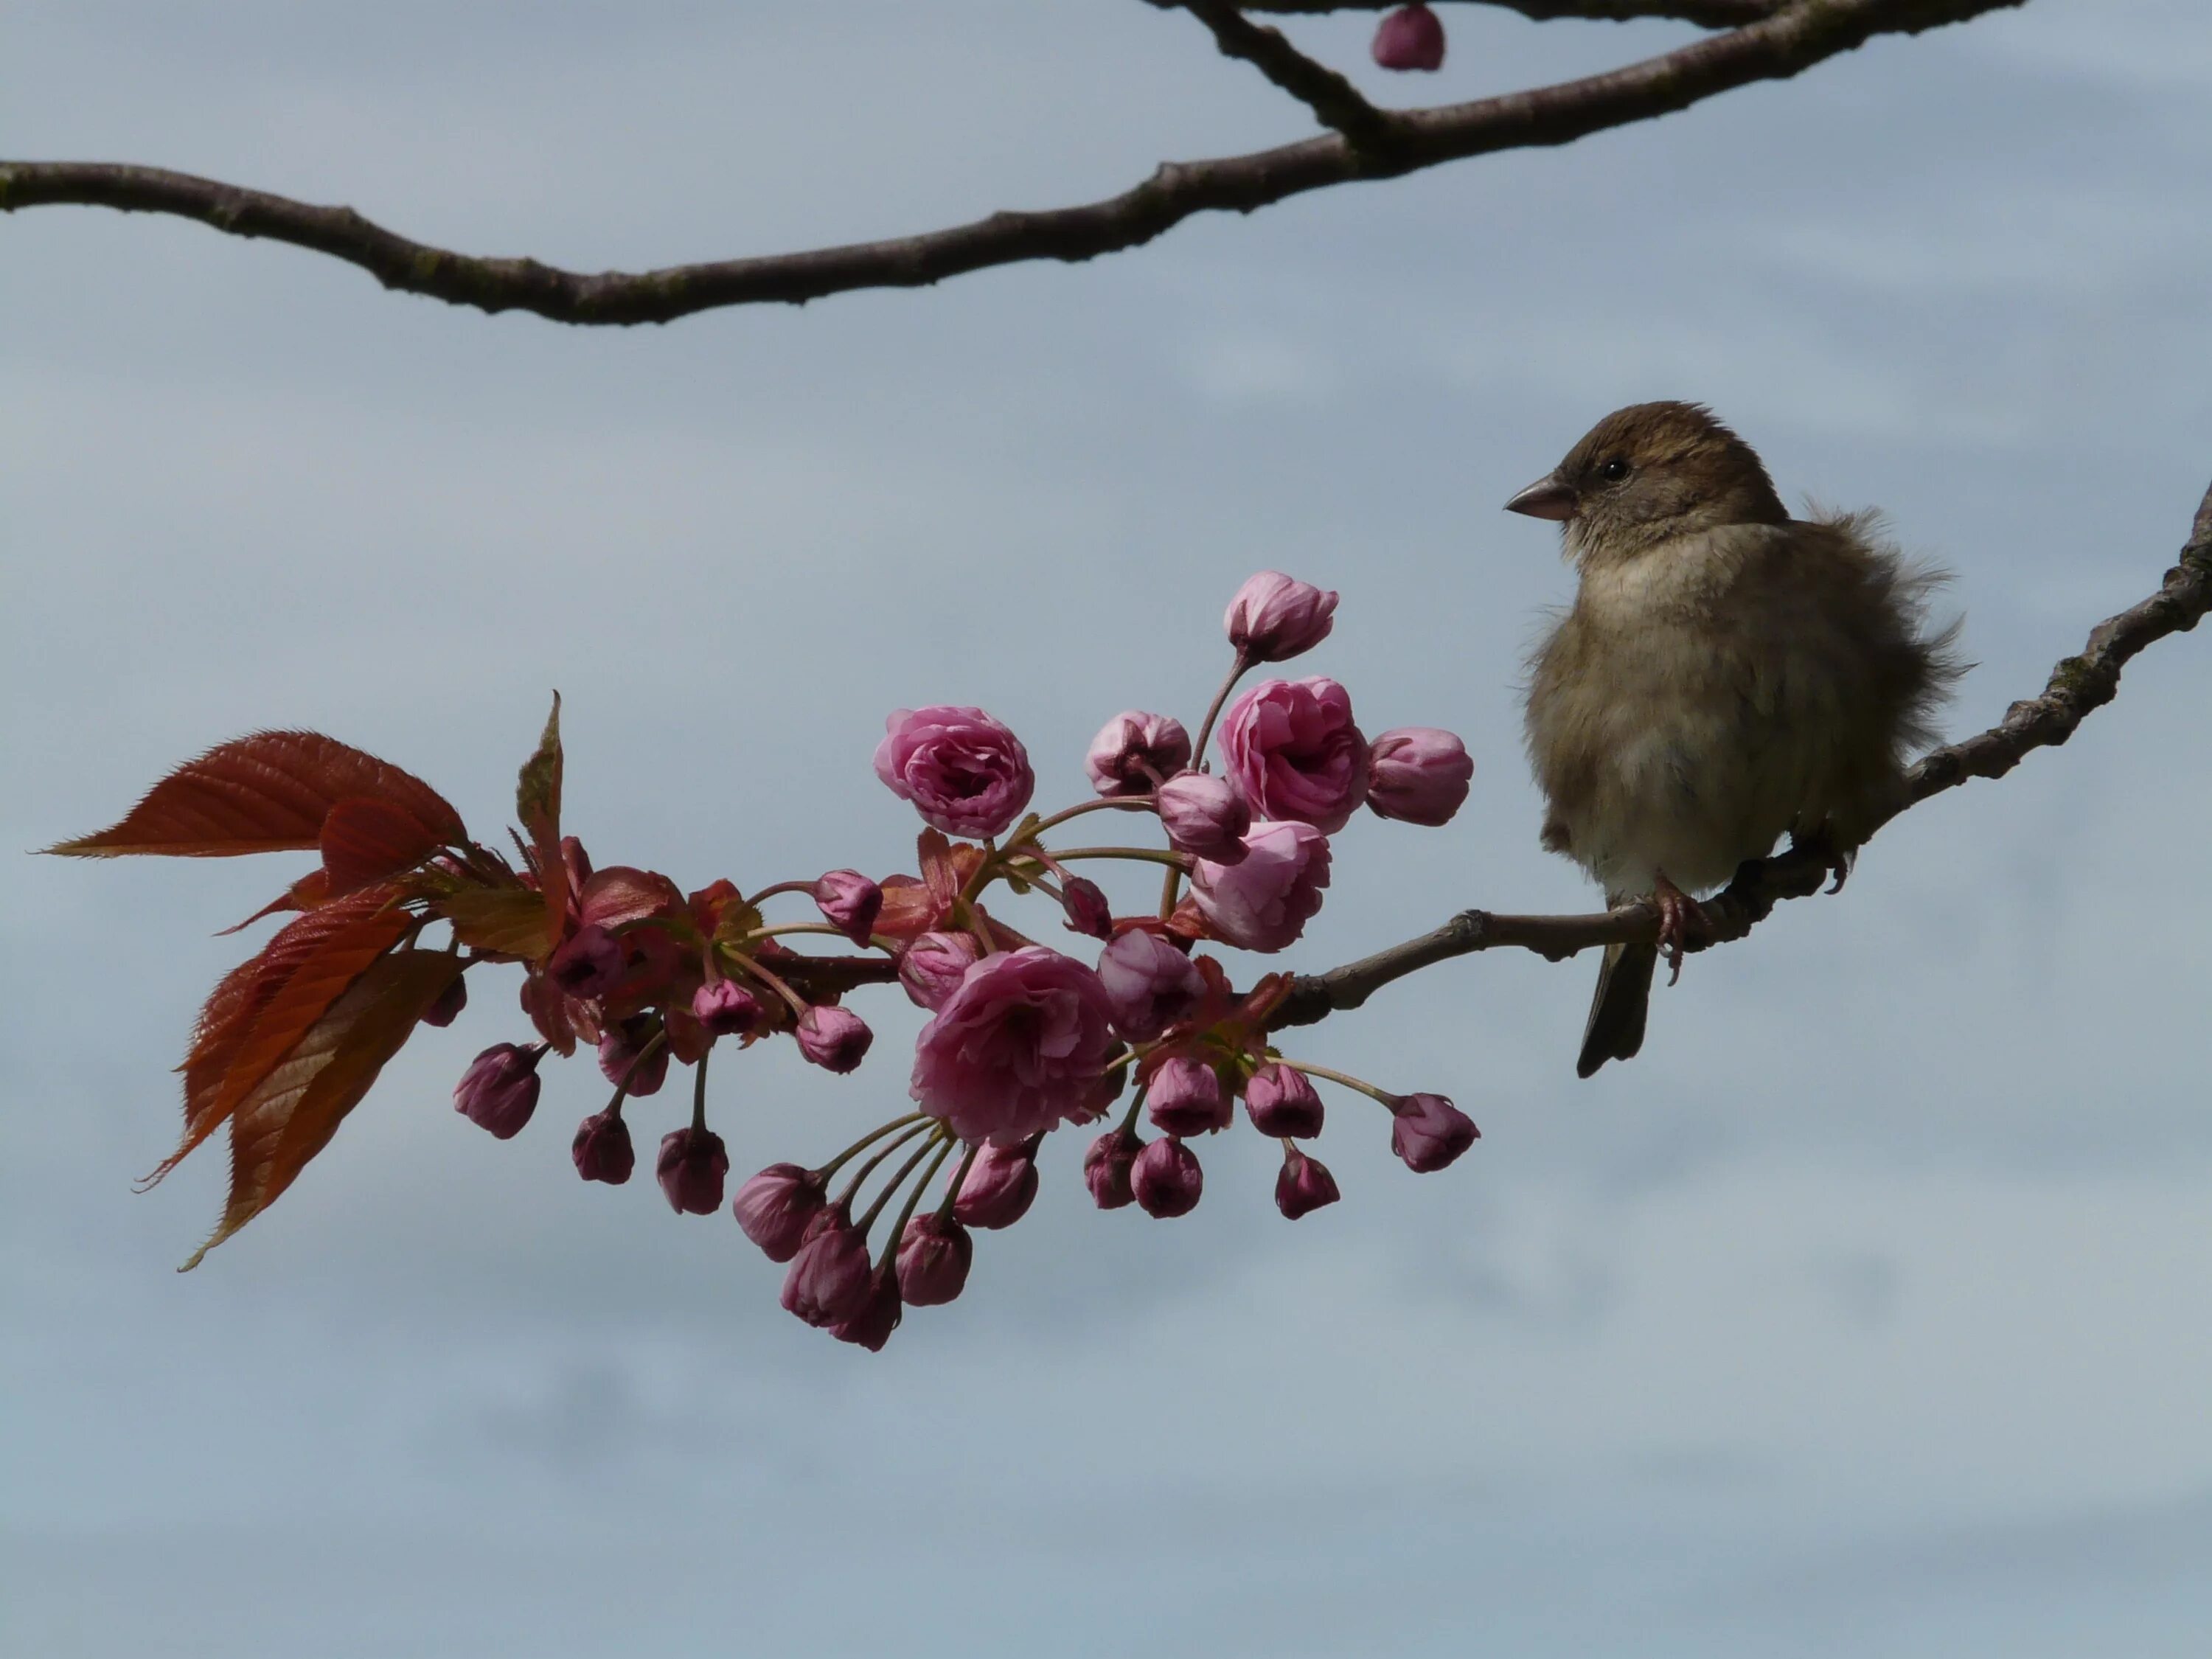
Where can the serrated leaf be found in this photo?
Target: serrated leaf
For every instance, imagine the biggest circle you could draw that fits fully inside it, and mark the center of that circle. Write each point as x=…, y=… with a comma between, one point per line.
x=293, y=1112
x=538, y=790
x=310, y=890
x=509, y=922
x=619, y=894
x=268, y=793
x=260, y=1008
x=366, y=839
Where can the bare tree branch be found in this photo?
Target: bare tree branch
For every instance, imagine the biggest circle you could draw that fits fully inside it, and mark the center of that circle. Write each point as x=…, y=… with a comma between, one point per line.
x=1792, y=39
x=1334, y=100
x=2077, y=685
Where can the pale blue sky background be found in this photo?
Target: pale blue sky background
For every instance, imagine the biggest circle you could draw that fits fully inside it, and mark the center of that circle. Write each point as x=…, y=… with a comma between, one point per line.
x=1865, y=1314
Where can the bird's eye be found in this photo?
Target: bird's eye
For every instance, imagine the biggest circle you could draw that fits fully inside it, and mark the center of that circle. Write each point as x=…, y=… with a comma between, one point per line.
x=1613, y=470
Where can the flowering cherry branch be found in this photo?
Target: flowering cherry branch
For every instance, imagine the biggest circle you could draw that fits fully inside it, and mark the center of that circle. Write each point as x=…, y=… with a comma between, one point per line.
x=1772, y=42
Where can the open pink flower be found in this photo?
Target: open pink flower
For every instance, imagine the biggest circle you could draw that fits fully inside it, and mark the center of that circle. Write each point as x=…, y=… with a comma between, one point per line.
x=1019, y=1048
x=965, y=773
x=1418, y=773
x=1263, y=902
x=1291, y=745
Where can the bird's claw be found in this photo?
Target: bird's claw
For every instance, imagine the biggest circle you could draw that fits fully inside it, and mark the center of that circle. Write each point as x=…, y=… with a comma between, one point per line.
x=1822, y=845
x=1679, y=914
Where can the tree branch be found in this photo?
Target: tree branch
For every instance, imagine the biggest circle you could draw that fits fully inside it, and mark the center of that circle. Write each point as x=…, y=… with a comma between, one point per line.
x=2077, y=685
x=1792, y=39
x=1334, y=100
x=1707, y=13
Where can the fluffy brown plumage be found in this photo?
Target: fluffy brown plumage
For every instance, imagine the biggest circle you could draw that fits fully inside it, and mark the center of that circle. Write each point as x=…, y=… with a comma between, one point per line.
x=1726, y=674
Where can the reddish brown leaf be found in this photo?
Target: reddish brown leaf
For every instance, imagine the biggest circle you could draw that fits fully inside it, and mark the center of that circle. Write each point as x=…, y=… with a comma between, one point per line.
x=305, y=893
x=294, y=1110
x=365, y=840
x=552, y=1011
x=538, y=790
x=509, y=922
x=265, y=793
x=618, y=894
x=261, y=1007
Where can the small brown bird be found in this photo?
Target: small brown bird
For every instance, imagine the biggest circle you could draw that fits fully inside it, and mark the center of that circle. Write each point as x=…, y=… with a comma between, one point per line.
x=1726, y=673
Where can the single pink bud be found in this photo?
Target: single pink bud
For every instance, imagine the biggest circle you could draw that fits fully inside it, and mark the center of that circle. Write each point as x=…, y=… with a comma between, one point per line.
x=1282, y=1100
x=835, y=1039
x=1149, y=983
x=1106, y=1168
x=1205, y=815
x=588, y=964
x=1410, y=38
x=619, y=1049
x=450, y=1000
x=1428, y=1132
x=1305, y=1186
x=1133, y=750
x=965, y=773
x=1273, y=617
x=1166, y=1179
x=931, y=968
x=602, y=1148
x=878, y=1317
x=776, y=1206
x=1185, y=1098
x=1264, y=902
x=934, y=1259
x=1418, y=773
x=726, y=1008
x=1001, y=1185
x=691, y=1168
x=1088, y=911
x=499, y=1092
x=829, y=1280
x=1292, y=748
x=851, y=902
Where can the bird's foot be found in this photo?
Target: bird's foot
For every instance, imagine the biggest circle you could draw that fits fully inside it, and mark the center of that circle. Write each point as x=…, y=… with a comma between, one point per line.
x=1822, y=844
x=1679, y=915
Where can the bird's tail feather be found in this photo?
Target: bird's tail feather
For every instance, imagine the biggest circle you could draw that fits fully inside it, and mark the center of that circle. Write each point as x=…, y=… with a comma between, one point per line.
x=1615, y=1030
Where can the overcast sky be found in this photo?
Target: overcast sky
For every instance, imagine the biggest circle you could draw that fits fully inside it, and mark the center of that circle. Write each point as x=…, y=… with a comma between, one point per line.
x=1866, y=1312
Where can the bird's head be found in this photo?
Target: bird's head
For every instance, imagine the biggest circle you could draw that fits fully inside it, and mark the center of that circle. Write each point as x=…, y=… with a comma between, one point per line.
x=1647, y=474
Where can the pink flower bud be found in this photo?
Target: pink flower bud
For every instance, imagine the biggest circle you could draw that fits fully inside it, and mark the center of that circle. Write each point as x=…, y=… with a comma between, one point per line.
x=1264, y=902
x=1185, y=1099
x=965, y=773
x=1428, y=1132
x=1166, y=1179
x=776, y=1206
x=934, y=1259
x=602, y=1148
x=1205, y=815
x=726, y=1008
x=835, y=1039
x=450, y=1000
x=619, y=1049
x=1282, y=1100
x=499, y=1092
x=588, y=964
x=693, y=1163
x=1291, y=746
x=851, y=902
x=1418, y=773
x=1001, y=1185
x=1135, y=750
x=1016, y=1049
x=829, y=1280
x=1149, y=984
x=1106, y=1168
x=1410, y=38
x=1305, y=1186
x=1273, y=617
x=931, y=969
x=1088, y=910
x=871, y=1327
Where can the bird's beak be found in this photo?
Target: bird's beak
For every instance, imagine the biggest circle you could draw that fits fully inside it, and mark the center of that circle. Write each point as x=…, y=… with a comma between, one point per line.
x=1547, y=498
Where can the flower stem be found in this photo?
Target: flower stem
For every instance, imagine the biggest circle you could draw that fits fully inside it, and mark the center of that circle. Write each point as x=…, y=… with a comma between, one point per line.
x=798, y=1003
x=1175, y=861
x=943, y=1145
x=769, y=892
x=861, y=1174
x=869, y=1139
x=1236, y=672
x=1110, y=803
x=935, y=1143
x=699, y=1096
x=952, y=1186
x=1349, y=1082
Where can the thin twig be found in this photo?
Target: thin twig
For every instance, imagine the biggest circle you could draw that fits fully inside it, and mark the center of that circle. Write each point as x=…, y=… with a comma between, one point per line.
x=1334, y=100
x=2077, y=685
x=1785, y=43
x=1707, y=13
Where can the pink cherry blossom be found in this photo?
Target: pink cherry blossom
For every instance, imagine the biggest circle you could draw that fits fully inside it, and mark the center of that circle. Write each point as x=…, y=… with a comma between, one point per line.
x=1016, y=1049
x=1203, y=815
x=1292, y=747
x=1273, y=617
x=965, y=773
x=1133, y=750
x=1418, y=773
x=1149, y=984
x=1263, y=902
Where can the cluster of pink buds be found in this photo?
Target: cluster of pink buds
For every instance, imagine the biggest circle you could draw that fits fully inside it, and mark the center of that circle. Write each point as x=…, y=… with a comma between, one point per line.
x=1026, y=1034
